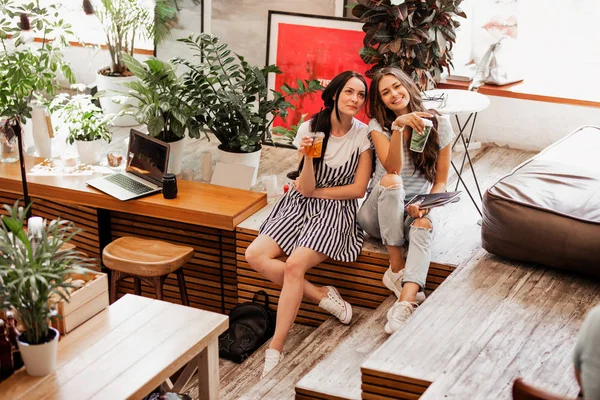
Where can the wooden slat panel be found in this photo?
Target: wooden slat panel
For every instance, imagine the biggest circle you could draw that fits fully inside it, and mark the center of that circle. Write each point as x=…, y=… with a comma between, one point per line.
x=358, y=282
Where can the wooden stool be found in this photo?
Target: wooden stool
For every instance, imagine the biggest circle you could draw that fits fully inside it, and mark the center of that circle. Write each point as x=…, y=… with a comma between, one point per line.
x=147, y=260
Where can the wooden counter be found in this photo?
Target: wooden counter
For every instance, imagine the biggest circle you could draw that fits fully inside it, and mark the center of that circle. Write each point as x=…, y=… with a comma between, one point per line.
x=197, y=203
x=203, y=216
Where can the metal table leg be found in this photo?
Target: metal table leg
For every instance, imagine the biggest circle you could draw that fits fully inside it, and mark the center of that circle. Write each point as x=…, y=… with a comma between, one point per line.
x=466, y=157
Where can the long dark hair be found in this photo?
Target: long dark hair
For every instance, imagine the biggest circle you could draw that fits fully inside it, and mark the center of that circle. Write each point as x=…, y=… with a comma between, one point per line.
x=424, y=162
x=321, y=121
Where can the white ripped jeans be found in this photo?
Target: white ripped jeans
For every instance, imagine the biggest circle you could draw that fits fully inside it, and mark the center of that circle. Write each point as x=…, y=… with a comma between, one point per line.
x=382, y=216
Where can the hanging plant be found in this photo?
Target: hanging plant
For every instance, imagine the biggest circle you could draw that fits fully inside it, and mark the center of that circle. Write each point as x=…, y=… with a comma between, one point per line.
x=415, y=35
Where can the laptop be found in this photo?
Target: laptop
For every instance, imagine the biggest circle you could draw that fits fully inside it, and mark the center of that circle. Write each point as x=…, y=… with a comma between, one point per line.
x=146, y=163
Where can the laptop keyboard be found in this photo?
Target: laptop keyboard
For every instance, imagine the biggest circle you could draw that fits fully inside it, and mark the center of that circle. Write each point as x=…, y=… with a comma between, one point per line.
x=129, y=184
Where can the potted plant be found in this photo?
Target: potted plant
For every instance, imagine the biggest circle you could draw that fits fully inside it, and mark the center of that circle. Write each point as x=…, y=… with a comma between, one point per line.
x=233, y=99
x=415, y=35
x=125, y=22
x=162, y=105
x=33, y=269
x=88, y=126
x=28, y=70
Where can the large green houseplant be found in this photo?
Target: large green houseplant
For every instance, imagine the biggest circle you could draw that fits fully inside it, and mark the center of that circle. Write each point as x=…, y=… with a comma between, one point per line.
x=232, y=97
x=162, y=105
x=415, y=35
x=125, y=23
x=27, y=70
x=33, y=269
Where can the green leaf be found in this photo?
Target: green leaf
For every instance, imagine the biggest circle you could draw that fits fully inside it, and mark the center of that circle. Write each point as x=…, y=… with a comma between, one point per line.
x=156, y=126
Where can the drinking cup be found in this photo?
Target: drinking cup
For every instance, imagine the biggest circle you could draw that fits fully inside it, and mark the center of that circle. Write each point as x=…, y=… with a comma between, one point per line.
x=418, y=140
x=316, y=148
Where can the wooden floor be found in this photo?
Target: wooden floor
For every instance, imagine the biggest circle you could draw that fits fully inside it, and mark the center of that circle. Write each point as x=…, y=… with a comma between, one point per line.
x=491, y=321
x=498, y=308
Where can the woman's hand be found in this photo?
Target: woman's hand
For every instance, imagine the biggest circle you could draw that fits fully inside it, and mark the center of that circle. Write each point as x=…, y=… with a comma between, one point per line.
x=305, y=143
x=415, y=212
x=299, y=188
x=413, y=120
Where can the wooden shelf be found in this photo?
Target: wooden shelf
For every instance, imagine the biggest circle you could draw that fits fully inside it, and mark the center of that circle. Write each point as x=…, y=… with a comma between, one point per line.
x=540, y=87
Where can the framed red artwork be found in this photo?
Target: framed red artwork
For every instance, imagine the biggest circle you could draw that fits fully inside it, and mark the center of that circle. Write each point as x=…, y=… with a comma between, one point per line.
x=312, y=47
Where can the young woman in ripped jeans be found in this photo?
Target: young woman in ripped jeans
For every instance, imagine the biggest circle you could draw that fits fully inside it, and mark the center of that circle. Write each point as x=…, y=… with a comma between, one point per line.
x=396, y=110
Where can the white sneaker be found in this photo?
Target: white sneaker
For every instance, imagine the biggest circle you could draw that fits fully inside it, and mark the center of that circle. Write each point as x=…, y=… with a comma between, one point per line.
x=337, y=306
x=272, y=359
x=398, y=314
x=393, y=281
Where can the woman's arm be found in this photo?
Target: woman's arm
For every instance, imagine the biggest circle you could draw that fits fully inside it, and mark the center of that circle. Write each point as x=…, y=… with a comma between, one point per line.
x=390, y=159
x=442, y=168
x=389, y=151
x=306, y=181
x=355, y=190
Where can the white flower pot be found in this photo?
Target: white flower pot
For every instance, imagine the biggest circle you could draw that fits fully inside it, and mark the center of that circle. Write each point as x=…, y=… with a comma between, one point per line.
x=175, y=156
x=248, y=159
x=39, y=359
x=111, y=84
x=90, y=152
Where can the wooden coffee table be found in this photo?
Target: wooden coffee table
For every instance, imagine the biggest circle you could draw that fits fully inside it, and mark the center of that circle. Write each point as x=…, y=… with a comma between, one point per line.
x=128, y=350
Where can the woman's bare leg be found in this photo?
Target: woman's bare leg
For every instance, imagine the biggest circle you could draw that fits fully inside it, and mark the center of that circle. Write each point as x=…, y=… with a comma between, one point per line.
x=263, y=254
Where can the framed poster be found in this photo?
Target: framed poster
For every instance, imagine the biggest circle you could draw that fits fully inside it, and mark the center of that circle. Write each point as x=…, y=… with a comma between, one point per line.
x=312, y=47
x=192, y=19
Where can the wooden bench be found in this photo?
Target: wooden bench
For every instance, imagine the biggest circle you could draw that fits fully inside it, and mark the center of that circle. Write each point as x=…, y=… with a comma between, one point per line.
x=358, y=282
x=492, y=321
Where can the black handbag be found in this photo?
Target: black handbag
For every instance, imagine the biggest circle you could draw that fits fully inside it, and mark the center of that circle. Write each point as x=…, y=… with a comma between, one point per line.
x=250, y=325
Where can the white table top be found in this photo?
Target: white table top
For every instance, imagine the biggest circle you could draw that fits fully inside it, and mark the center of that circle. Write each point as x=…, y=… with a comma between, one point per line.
x=458, y=102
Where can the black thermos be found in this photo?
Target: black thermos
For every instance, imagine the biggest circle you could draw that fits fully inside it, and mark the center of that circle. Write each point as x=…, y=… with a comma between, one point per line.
x=169, y=186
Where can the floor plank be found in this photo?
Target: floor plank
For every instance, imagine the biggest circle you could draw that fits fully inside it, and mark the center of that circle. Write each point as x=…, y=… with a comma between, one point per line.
x=490, y=321
x=338, y=375
x=236, y=379
x=301, y=359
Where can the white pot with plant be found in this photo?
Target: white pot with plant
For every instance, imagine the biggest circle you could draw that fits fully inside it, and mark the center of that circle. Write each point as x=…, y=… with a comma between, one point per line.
x=126, y=23
x=162, y=106
x=33, y=269
x=233, y=99
x=88, y=126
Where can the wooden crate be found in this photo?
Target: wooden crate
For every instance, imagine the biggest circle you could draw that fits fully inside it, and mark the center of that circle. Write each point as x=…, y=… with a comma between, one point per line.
x=85, y=302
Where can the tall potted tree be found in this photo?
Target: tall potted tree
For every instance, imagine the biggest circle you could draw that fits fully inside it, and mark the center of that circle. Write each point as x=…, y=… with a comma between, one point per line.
x=33, y=268
x=27, y=70
x=125, y=22
x=415, y=35
x=232, y=98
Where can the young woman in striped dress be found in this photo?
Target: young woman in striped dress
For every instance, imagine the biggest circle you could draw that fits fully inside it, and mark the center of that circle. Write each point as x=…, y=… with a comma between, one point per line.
x=396, y=110
x=316, y=218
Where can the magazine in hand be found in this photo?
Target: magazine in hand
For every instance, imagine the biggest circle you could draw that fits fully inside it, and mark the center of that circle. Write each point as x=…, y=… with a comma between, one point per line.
x=434, y=200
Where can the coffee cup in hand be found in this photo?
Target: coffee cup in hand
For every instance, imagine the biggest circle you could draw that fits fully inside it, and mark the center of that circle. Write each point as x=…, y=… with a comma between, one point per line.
x=419, y=140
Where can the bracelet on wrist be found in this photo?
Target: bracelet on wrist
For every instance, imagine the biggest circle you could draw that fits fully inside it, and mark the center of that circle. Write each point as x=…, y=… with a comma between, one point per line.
x=397, y=128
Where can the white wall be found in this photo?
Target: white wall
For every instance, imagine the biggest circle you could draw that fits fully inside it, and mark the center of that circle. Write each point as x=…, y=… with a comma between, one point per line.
x=527, y=124
x=516, y=123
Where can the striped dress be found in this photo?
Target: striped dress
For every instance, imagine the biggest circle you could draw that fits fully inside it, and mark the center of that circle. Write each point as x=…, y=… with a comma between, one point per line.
x=325, y=226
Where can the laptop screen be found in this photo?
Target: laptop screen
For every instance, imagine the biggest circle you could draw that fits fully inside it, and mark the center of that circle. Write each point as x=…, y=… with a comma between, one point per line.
x=148, y=157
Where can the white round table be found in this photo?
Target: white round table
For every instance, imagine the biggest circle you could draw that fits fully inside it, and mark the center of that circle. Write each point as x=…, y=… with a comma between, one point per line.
x=455, y=102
